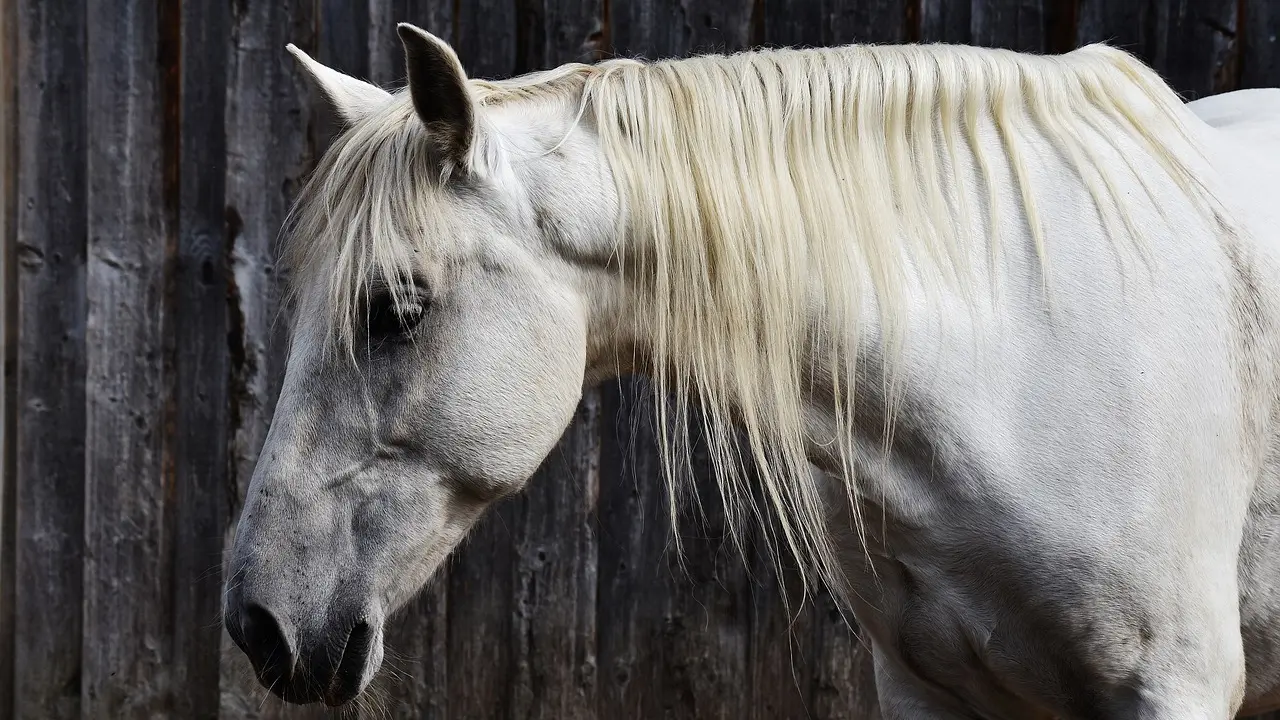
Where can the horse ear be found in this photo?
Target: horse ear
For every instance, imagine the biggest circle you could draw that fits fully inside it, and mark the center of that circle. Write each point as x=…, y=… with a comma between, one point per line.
x=438, y=86
x=350, y=98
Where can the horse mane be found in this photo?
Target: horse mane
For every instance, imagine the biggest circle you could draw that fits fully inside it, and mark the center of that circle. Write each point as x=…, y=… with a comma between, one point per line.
x=751, y=183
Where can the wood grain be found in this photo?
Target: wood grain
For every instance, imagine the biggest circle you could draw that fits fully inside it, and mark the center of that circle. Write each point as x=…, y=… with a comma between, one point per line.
x=199, y=413
x=9, y=335
x=51, y=358
x=269, y=151
x=127, y=587
x=1193, y=44
x=1259, y=30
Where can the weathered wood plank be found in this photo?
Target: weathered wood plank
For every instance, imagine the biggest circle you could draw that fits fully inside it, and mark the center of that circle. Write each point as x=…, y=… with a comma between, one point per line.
x=1014, y=24
x=781, y=655
x=386, y=62
x=1124, y=25
x=268, y=155
x=1193, y=44
x=127, y=608
x=706, y=631
x=485, y=37
x=675, y=28
x=415, y=678
x=794, y=23
x=481, y=587
x=554, y=32
x=51, y=238
x=844, y=678
x=554, y=610
x=1201, y=53
x=343, y=45
x=650, y=30
x=634, y=600
x=946, y=21
x=344, y=36
x=840, y=22
x=8, y=340
x=1259, y=28
x=864, y=21
x=200, y=412
x=836, y=22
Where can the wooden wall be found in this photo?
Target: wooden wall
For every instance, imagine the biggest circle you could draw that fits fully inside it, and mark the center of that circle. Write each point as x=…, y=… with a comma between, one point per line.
x=148, y=154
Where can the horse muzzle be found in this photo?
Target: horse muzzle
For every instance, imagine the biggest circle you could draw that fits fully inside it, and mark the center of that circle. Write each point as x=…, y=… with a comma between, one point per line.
x=333, y=663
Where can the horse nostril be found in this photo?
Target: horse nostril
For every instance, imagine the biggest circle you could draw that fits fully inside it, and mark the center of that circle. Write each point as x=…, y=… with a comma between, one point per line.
x=267, y=646
x=346, y=681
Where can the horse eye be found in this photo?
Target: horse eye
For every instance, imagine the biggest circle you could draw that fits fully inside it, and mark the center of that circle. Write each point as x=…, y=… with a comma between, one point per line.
x=386, y=322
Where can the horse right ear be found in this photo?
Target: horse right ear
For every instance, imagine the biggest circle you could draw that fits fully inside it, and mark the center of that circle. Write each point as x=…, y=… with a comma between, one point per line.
x=438, y=86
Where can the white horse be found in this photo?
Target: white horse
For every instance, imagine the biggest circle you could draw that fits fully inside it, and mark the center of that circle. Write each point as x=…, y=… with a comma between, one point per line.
x=1022, y=312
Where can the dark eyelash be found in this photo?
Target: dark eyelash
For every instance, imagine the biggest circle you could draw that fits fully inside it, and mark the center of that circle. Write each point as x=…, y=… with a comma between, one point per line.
x=386, y=321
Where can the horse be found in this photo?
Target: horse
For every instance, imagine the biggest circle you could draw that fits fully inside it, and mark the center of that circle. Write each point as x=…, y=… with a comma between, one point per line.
x=988, y=340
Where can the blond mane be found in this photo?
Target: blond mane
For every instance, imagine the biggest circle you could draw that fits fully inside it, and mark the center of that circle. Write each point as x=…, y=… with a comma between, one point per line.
x=751, y=184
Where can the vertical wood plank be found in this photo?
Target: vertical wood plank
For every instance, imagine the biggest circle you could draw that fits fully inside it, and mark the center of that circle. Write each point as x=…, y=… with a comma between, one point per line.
x=707, y=630
x=652, y=30
x=415, y=680
x=200, y=409
x=344, y=36
x=554, y=32
x=794, y=23
x=781, y=651
x=837, y=22
x=554, y=623
x=268, y=155
x=634, y=597
x=481, y=581
x=1023, y=25
x=1259, y=28
x=8, y=341
x=946, y=21
x=343, y=29
x=659, y=29
x=844, y=677
x=1125, y=25
x=863, y=21
x=1013, y=24
x=51, y=238
x=1201, y=54
x=386, y=61
x=485, y=37
x=126, y=597
x=1192, y=43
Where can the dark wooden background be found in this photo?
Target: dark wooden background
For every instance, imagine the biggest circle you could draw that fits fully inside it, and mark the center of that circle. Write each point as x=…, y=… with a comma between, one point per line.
x=148, y=154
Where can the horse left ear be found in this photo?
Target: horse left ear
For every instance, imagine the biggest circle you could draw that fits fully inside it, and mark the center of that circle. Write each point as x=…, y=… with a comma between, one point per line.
x=438, y=86
x=349, y=98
